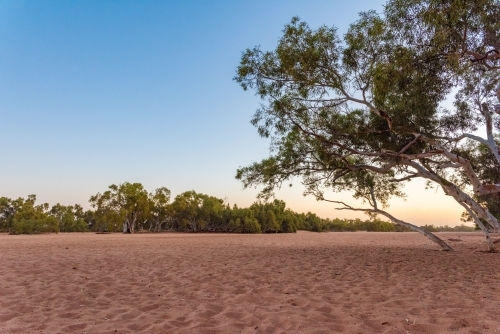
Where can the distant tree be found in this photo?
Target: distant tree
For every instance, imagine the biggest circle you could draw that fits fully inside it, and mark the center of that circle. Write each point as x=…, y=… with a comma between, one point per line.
x=269, y=215
x=90, y=218
x=250, y=225
x=314, y=223
x=70, y=218
x=8, y=209
x=127, y=203
x=236, y=217
x=234, y=226
x=30, y=218
x=212, y=212
x=160, y=209
x=198, y=211
x=187, y=207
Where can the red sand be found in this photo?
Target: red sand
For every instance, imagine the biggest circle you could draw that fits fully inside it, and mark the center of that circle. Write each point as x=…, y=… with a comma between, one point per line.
x=214, y=283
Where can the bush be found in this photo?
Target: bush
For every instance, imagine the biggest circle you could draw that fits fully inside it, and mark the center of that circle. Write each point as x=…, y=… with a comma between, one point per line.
x=33, y=226
x=251, y=225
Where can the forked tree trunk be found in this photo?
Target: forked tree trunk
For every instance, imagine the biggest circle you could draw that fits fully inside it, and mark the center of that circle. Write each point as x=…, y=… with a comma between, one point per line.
x=132, y=225
x=462, y=198
x=126, y=228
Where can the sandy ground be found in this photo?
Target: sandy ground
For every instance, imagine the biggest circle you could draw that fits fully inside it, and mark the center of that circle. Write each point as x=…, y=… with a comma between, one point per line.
x=213, y=283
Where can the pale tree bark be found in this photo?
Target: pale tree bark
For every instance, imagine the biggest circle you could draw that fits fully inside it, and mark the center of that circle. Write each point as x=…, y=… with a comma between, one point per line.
x=193, y=224
x=481, y=189
x=478, y=187
x=127, y=227
x=158, y=225
x=444, y=246
x=129, y=224
x=497, y=91
x=132, y=222
x=455, y=160
x=441, y=243
x=452, y=190
x=489, y=241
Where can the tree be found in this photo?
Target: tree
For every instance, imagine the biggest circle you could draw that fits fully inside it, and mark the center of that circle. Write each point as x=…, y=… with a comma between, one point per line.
x=91, y=219
x=187, y=207
x=161, y=211
x=363, y=113
x=484, y=162
x=199, y=211
x=250, y=225
x=234, y=226
x=126, y=203
x=30, y=218
x=212, y=211
x=70, y=218
x=8, y=209
x=314, y=223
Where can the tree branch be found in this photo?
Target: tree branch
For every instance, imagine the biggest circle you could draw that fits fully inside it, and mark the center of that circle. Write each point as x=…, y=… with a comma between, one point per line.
x=396, y=221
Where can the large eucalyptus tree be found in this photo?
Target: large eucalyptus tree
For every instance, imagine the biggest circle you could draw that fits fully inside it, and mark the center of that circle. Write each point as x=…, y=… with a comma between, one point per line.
x=127, y=202
x=160, y=209
x=365, y=112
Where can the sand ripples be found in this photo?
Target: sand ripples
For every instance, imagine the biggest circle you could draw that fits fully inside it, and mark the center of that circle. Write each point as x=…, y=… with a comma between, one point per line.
x=295, y=283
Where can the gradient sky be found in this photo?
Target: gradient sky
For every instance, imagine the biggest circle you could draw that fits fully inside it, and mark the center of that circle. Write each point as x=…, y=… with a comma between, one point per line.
x=100, y=92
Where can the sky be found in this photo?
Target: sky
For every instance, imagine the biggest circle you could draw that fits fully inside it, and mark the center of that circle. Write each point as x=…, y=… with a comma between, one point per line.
x=94, y=93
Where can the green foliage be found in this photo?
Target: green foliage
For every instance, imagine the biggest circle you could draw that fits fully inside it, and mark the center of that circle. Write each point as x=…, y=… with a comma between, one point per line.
x=70, y=218
x=28, y=218
x=123, y=207
x=251, y=225
x=446, y=228
x=198, y=212
x=484, y=163
x=353, y=225
x=35, y=225
x=8, y=208
x=160, y=210
x=188, y=212
x=361, y=112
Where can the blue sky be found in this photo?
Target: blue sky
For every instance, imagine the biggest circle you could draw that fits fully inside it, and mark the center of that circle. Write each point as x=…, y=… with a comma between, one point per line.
x=100, y=92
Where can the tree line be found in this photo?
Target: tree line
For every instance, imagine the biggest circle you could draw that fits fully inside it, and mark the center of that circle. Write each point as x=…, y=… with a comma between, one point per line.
x=129, y=208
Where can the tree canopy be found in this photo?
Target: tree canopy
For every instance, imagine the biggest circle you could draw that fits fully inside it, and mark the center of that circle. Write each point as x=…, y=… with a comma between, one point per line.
x=365, y=111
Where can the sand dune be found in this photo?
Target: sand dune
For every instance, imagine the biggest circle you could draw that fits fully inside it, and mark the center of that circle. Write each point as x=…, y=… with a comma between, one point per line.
x=287, y=283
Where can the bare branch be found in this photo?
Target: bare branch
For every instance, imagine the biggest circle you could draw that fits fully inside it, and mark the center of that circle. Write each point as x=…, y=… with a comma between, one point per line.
x=449, y=165
x=467, y=135
x=410, y=144
x=406, y=178
x=396, y=221
x=491, y=247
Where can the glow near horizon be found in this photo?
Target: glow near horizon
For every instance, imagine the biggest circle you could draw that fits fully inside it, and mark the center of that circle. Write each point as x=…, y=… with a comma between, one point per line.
x=94, y=93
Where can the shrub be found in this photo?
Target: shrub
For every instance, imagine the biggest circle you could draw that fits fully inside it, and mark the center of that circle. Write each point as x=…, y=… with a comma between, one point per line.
x=32, y=226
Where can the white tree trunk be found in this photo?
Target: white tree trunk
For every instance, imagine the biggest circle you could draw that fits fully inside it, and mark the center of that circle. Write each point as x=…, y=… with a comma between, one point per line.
x=444, y=246
x=420, y=230
x=452, y=190
x=489, y=241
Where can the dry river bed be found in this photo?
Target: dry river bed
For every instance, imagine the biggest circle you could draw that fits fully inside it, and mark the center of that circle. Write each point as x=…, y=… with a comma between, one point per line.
x=219, y=283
